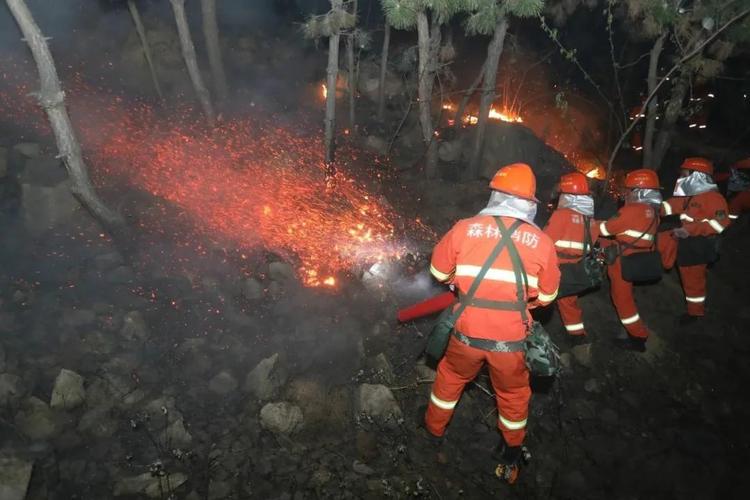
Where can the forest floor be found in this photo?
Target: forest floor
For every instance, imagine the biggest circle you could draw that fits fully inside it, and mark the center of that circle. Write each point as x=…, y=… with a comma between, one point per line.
x=174, y=406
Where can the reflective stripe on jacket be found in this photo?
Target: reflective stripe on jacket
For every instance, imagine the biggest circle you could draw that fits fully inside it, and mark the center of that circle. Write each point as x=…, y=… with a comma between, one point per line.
x=633, y=226
x=460, y=255
x=704, y=214
x=565, y=228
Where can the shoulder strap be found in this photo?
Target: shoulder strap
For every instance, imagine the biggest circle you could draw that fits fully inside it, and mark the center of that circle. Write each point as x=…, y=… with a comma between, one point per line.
x=504, y=240
x=522, y=280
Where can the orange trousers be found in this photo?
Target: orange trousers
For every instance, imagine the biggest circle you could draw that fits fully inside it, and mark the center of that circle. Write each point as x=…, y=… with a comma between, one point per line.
x=622, y=297
x=694, y=284
x=571, y=315
x=510, y=380
x=739, y=204
x=693, y=277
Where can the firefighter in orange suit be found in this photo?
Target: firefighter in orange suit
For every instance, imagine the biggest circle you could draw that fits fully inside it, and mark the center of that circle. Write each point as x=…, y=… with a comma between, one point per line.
x=566, y=228
x=457, y=259
x=739, y=189
x=633, y=228
x=703, y=212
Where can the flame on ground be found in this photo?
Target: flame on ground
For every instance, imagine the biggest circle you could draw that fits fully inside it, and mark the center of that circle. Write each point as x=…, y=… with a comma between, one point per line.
x=506, y=115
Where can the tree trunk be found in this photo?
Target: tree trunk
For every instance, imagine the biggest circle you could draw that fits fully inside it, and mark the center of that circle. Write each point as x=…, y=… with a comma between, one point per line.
x=332, y=75
x=146, y=47
x=52, y=100
x=383, y=71
x=211, y=33
x=494, y=51
x=429, y=45
x=352, y=71
x=458, y=118
x=191, y=60
x=671, y=115
x=651, y=110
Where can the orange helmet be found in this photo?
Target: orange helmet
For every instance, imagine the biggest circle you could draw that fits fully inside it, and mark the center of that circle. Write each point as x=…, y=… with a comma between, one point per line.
x=742, y=164
x=643, y=178
x=516, y=179
x=698, y=164
x=574, y=183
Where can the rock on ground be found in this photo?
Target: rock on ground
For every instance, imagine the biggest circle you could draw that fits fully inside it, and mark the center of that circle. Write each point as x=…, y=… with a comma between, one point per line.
x=134, y=326
x=378, y=403
x=265, y=380
x=14, y=478
x=11, y=389
x=176, y=435
x=382, y=369
x=252, y=289
x=281, y=418
x=68, y=392
x=146, y=484
x=223, y=383
x=3, y=162
x=28, y=149
x=281, y=271
x=36, y=420
x=582, y=354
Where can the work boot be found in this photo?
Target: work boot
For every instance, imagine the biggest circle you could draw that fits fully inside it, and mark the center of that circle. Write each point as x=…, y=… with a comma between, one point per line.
x=435, y=443
x=688, y=320
x=630, y=343
x=509, y=458
x=576, y=340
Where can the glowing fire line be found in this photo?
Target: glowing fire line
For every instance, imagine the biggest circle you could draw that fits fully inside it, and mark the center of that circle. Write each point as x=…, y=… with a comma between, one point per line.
x=248, y=183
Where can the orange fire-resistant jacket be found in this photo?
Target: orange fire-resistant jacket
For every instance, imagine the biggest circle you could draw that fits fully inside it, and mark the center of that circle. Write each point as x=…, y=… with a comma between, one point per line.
x=565, y=227
x=462, y=252
x=704, y=214
x=633, y=227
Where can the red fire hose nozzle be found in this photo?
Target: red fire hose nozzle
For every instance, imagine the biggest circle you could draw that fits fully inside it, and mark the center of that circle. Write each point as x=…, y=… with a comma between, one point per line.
x=426, y=307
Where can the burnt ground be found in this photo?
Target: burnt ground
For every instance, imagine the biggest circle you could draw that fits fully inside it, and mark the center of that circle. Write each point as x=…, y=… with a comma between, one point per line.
x=169, y=409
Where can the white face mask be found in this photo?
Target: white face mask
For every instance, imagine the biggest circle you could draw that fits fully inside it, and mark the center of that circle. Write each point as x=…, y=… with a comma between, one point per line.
x=649, y=196
x=581, y=203
x=502, y=204
x=695, y=183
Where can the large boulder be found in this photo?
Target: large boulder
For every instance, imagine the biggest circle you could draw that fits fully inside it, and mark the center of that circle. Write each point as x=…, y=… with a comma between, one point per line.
x=376, y=402
x=15, y=475
x=507, y=143
x=68, y=391
x=281, y=418
x=265, y=380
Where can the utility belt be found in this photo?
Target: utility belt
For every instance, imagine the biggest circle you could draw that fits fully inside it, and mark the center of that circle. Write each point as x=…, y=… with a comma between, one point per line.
x=490, y=345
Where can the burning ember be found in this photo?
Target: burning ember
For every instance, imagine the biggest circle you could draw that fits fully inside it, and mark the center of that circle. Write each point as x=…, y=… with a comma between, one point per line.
x=248, y=183
x=324, y=90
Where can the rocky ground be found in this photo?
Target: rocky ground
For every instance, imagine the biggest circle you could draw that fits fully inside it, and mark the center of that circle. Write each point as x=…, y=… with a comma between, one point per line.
x=117, y=380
